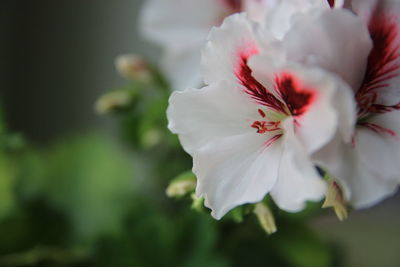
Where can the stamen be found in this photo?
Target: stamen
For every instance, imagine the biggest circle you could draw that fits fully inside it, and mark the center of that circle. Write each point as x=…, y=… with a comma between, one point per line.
x=264, y=126
x=262, y=114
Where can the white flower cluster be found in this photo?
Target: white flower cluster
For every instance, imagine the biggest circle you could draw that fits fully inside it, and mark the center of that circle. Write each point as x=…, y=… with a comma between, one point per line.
x=291, y=86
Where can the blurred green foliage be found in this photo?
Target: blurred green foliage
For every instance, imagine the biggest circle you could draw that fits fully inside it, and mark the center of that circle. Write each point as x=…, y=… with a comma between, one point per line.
x=83, y=201
x=7, y=181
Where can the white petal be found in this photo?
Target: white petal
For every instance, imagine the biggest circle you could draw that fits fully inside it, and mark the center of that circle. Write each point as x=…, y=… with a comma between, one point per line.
x=337, y=159
x=226, y=45
x=380, y=151
x=181, y=28
x=256, y=9
x=377, y=169
x=318, y=125
x=368, y=189
x=382, y=78
x=335, y=40
x=279, y=14
x=364, y=8
x=179, y=23
x=235, y=170
x=182, y=67
x=344, y=103
x=298, y=181
x=219, y=110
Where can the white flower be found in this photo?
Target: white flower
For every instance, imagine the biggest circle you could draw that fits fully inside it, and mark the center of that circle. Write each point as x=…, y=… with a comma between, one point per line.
x=181, y=28
x=368, y=168
x=252, y=129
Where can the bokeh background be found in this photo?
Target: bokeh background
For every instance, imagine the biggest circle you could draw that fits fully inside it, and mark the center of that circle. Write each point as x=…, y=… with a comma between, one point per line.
x=79, y=189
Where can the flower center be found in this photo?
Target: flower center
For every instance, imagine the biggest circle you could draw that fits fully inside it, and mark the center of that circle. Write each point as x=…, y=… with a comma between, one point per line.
x=296, y=98
x=266, y=126
x=270, y=124
x=288, y=96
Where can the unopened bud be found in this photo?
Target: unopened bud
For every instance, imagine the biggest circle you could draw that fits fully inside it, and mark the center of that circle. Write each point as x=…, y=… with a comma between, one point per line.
x=112, y=101
x=265, y=217
x=151, y=138
x=133, y=67
x=197, y=202
x=334, y=198
x=182, y=185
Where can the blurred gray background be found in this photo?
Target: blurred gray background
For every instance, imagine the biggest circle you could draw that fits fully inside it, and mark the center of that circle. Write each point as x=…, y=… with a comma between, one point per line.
x=57, y=57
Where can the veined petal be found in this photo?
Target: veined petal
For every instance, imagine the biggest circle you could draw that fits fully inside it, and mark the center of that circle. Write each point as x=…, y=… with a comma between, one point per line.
x=382, y=77
x=319, y=101
x=337, y=41
x=377, y=143
x=215, y=111
x=298, y=180
x=236, y=170
x=226, y=46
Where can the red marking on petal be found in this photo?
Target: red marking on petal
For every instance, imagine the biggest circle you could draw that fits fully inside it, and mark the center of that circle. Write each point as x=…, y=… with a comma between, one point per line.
x=378, y=129
x=234, y=5
x=331, y=3
x=379, y=109
x=252, y=87
x=383, y=61
x=272, y=140
x=353, y=141
x=297, y=98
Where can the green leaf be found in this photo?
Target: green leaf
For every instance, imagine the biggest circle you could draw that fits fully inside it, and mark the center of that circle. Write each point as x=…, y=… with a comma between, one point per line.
x=91, y=181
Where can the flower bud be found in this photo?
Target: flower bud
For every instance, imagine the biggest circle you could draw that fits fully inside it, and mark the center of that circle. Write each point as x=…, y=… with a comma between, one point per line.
x=182, y=185
x=133, y=67
x=151, y=138
x=265, y=217
x=197, y=203
x=334, y=198
x=112, y=101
